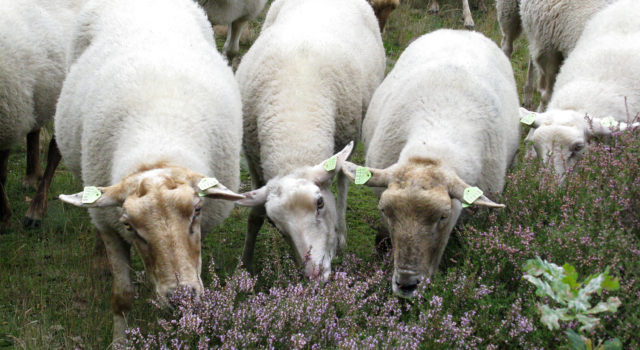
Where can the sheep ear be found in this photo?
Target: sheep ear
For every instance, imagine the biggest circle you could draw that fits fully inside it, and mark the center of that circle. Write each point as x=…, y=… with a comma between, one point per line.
x=219, y=191
x=457, y=189
x=604, y=126
x=254, y=198
x=95, y=197
x=323, y=172
x=379, y=177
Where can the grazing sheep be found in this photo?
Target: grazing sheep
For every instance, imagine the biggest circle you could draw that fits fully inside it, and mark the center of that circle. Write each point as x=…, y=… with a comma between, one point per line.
x=34, y=40
x=236, y=14
x=382, y=10
x=598, y=77
x=444, y=119
x=148, y=109
x=466, y=11
x=305, y=85
x=553, y=28
x=511, y=26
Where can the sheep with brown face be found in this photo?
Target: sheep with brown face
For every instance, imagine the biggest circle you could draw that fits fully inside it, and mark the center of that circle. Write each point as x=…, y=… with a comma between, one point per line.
x=383, y=9
x=150, y=114
x=443, y=121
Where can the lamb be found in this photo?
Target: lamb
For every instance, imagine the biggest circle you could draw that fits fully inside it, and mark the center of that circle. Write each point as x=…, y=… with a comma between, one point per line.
x=235, y=14
x=34, y=36
x=148, y=110
x=597, y=89
x=552, y=28
x=508, y=12
x=443, y=120
x=305, y=85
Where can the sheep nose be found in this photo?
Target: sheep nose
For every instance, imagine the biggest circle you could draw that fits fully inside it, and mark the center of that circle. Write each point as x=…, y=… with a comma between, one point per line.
x=408, y=287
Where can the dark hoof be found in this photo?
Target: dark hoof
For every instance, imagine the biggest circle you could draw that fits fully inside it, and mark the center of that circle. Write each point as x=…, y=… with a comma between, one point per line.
x=31, y=223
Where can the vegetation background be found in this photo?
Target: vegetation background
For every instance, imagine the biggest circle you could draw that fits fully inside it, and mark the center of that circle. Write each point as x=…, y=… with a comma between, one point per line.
x=51, y=297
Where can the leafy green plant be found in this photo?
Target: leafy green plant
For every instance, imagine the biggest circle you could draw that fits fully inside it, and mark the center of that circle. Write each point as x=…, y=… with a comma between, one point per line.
x=561, y=285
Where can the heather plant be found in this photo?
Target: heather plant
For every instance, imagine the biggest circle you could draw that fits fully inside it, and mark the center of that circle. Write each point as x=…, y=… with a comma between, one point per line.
x=561, y=285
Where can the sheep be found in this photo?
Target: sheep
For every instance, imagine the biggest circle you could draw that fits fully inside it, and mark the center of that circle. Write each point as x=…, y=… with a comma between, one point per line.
x=597, y=88
x=235, y=14
x=148, y=110
x=382, y=10
x=552, y=28
x=443, y=120
x=34, y=36
x=305, y=85
x=466, y=11
x=508, y=12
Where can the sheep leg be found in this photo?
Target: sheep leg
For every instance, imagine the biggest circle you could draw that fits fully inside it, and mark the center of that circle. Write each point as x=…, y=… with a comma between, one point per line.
x=256, y=219
x=122, y=295
x=434, y=7
x=527, y=98
x=5, y=209
x=549, y=66
x=34, y=170
x=231, y=46
x=466, y=14
x=341, y=207
x=38, y=206
x=100, y=261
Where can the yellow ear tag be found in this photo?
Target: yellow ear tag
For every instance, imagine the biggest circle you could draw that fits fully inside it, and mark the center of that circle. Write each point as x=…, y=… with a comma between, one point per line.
x=528, y=119
x=470, y=195
x=330, y=164
x=363, y=174
x=90, y=195
x=608, y=122
x=207, y=182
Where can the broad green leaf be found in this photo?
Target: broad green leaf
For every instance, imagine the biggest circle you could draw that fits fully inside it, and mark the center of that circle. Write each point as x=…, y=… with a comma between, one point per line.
x=610, y=305
x=612, y=344
x=610, y=283
x=575, y=340
x=571, y=276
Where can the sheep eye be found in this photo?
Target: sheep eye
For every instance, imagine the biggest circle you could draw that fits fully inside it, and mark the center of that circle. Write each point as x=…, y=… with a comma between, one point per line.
x=320, y=203
x=577, y=147
x=198, y=210
x=127, y=226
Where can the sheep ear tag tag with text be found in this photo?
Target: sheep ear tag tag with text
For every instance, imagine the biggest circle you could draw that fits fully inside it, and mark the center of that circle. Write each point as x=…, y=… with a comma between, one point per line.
x=206, y=183
x=470, y=195
x=363, y=175
x=90, y=195
x=330, y=164
x=528, y=119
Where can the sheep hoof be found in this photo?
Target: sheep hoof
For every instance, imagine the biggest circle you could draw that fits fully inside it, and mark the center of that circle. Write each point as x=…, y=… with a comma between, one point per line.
x=30, y=223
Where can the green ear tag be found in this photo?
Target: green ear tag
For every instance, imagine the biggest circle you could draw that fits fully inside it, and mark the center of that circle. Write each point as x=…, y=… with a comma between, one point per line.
x=330, y=164
x=528, y=119
x=90, y=195
x=608, y=122
x=207, y=182
x=470, y=195
x=363, y=174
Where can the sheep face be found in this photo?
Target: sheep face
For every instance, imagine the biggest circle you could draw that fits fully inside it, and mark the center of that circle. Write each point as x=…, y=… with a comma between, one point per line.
x=161, y=216
x=303, y=208
x=420, y=206
x=560, y=137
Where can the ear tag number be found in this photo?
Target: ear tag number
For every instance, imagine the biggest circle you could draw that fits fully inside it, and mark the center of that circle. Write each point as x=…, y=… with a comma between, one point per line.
x=330, y=164
x=207, y=182
x=90, y=195
x=470, y=195
x=528, y=119
x=363, y=174
x=608, y=122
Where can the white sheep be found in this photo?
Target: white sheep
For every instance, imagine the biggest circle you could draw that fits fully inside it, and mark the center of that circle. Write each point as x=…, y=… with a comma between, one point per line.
x=305, y=84
x=508, y=12
x=235, y=14
x=552, y=28
x=147, y=111
x=596, y=80
x=443, y=120
x=34, y=40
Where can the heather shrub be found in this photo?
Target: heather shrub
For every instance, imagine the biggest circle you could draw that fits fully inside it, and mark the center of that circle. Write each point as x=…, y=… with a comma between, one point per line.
x=478, y=298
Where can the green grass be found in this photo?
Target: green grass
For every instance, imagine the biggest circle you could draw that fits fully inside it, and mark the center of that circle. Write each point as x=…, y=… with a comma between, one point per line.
x=51, y=297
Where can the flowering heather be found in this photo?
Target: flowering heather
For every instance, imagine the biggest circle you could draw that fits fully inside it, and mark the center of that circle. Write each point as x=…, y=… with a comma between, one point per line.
x=477, y=299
